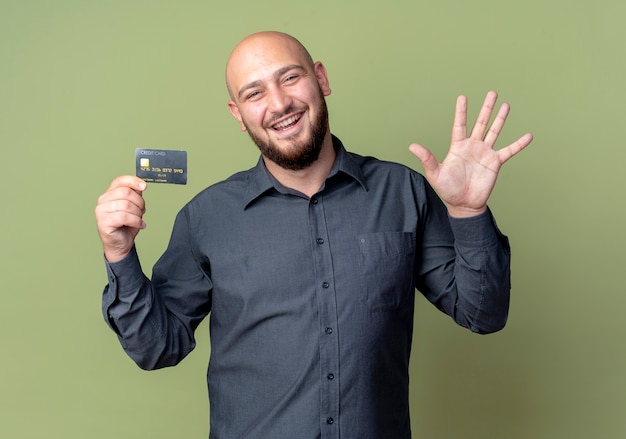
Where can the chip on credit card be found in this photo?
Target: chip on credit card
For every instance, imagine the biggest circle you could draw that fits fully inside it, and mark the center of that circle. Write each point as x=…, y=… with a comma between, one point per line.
x=161, y=165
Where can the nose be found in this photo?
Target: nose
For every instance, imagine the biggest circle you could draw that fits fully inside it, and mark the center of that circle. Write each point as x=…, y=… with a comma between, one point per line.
x=278, y=100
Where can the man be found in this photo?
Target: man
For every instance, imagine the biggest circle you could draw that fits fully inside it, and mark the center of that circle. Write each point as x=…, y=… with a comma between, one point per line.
x=308, y=263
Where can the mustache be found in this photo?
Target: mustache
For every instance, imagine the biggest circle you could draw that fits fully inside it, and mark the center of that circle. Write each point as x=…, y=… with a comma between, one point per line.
x=275, y=117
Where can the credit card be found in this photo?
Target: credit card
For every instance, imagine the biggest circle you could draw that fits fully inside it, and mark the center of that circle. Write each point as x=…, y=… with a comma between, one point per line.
x=161, y=165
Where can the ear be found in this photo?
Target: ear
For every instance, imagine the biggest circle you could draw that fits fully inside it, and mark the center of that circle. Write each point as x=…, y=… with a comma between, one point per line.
x=234, y=110
x=322, y=78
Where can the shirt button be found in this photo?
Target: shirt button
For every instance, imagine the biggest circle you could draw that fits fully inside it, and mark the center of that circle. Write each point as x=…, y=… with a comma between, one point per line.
x=320, y=241
x=325, y=285
x=330, y=421
x=330, y=376
x=314, y=201
x=329, y=331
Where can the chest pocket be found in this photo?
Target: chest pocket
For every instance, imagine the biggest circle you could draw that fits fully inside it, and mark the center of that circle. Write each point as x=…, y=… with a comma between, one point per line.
x=386, y=264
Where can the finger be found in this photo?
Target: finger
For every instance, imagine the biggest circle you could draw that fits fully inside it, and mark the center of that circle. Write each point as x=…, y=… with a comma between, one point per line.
x=110, y=222
x=130, y=181
x=429, y=162
x=497, y=125
x=505, y=154
x=123, y=193
x=482, y=121
x=119, y=213
x=459, y=127
x=125, y=206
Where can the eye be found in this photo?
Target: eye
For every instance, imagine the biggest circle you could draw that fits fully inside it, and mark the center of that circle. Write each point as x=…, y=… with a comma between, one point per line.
x=291, y=78
x=253, y=94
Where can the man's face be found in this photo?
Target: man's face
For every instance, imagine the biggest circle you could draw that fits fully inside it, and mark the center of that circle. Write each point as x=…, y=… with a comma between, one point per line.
x=278, y=97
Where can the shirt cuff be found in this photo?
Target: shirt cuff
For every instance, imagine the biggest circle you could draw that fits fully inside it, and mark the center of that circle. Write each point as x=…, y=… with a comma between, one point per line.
x=125, y=275
x=479, y=230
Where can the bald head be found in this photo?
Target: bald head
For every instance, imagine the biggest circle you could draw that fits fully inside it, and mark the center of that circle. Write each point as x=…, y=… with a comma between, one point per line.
x=277, y=94
x=259, y=49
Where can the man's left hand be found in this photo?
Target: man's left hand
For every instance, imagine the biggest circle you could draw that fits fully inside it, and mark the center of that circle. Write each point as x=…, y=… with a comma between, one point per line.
x=467, y=176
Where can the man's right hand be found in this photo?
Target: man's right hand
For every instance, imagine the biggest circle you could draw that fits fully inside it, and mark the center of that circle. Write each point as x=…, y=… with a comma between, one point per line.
x=119, y=216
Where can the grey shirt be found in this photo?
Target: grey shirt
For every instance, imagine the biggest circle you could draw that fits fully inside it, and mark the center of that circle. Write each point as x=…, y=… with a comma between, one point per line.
x=311, y=299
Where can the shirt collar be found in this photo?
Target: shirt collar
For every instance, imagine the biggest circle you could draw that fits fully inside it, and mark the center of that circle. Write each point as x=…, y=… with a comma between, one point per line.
x=260, y=180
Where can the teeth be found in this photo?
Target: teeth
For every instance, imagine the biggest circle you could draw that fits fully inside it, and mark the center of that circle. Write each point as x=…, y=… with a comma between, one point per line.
x=287, y=122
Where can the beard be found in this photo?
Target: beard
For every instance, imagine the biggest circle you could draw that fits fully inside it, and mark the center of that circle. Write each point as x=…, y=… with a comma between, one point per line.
x=299, y=154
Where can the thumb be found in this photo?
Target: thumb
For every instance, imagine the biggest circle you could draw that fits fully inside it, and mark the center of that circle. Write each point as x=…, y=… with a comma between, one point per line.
x=429, y=162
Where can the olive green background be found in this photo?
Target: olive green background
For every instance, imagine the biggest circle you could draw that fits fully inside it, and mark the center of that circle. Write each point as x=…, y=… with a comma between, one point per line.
x=83, y=83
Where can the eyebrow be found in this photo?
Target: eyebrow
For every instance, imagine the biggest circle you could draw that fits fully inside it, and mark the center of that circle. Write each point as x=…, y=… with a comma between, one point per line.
x=277, y=74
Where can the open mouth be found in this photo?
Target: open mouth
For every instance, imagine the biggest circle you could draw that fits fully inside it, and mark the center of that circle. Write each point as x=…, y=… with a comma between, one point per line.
x=287, y=123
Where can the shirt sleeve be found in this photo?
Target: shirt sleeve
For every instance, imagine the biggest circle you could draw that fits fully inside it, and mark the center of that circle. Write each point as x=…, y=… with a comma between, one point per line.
x=464, y=267
x=155, y=319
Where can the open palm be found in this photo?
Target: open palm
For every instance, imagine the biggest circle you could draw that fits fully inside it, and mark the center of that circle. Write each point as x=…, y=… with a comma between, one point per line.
x=467, y=176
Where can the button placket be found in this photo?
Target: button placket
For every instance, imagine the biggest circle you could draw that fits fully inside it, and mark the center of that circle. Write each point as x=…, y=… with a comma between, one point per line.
x=327, y=308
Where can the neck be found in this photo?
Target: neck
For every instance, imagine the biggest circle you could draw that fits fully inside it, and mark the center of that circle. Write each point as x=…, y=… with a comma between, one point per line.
x=308, y=180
